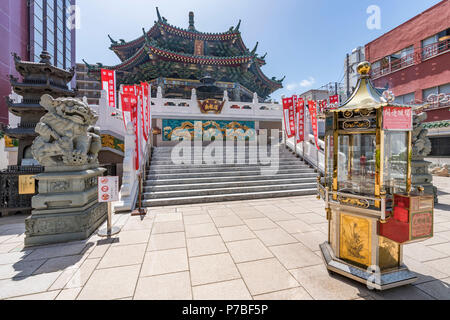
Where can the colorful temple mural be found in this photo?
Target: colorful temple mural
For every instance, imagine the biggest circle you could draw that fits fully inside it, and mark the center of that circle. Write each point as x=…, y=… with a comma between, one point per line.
x=174, y=129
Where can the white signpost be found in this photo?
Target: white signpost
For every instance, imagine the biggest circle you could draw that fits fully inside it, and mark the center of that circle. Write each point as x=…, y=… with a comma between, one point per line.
x=108, y=191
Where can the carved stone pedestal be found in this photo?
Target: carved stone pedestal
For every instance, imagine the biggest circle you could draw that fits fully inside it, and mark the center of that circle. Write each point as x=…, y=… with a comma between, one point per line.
x=66, y=207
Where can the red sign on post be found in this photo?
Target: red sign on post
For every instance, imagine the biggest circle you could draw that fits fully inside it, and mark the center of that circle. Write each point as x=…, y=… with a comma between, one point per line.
x=109, y=84
x=397, y=118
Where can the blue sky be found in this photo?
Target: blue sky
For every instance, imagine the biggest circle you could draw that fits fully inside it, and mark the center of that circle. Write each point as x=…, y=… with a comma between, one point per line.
x=306, y=40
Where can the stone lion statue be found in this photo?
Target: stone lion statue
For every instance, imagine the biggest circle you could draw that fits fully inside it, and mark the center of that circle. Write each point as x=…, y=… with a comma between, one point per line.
x=66, y=133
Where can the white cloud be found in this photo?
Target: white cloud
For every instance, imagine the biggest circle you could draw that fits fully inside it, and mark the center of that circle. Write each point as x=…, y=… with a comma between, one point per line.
x=305, y=83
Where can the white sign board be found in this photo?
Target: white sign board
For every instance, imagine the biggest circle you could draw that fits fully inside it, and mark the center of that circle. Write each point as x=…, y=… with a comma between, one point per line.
x=108, y=189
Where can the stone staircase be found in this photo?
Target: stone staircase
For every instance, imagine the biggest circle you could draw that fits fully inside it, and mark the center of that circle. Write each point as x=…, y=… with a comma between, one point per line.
x=172, y=184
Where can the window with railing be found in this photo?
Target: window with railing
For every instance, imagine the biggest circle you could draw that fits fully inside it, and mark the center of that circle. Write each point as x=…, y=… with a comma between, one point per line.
x=393, y=62
x=436, y=44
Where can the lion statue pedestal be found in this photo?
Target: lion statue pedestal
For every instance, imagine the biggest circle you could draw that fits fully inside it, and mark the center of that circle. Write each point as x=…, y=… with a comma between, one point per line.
x=66, y=207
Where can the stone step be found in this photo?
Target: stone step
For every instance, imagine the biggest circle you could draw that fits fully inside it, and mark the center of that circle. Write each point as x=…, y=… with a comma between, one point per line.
x=224, y=158
x=170, y=165
x=213, y=179
x=231, y=184
x=219, y=168
x=213, y=191
x=219, y=174
x=227, y=197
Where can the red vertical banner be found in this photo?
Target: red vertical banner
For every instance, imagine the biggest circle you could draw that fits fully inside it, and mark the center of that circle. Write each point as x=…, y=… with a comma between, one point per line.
x=301, y=120
x=134, y=119
x=312, y=105
x=146, y=108
x=126, y=108
x=108, y=78
x=288, y=113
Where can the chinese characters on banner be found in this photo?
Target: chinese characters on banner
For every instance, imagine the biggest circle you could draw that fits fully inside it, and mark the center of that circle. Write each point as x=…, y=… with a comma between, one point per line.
x=288, y=113
x=334, y=101
x=397, y=118
x=312, y=105
x=301, y=120
x=108, y=78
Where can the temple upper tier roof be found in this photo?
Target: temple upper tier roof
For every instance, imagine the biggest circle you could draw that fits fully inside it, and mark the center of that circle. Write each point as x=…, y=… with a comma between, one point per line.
x=192, y=50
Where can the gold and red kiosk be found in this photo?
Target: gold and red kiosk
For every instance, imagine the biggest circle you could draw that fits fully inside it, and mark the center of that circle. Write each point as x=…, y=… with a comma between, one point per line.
x=371, y=209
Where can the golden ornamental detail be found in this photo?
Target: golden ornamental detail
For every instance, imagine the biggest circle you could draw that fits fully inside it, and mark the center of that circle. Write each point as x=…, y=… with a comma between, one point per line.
x=360, y=124
x=355, y=202
x=211, y=105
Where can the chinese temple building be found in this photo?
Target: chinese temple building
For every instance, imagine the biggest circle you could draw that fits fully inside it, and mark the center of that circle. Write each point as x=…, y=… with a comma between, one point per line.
x=166, y=53
x=197, y=76
x=38, y=78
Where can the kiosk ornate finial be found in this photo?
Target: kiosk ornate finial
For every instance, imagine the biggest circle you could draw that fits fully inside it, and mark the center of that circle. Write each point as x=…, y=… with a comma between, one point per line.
x=364, y=68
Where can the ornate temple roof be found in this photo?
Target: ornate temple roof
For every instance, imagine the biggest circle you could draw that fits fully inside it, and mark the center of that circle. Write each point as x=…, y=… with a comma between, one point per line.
x=167, y=43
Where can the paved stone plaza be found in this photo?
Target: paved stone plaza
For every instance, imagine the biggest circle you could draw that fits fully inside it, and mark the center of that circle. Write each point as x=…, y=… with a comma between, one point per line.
x=253, y=249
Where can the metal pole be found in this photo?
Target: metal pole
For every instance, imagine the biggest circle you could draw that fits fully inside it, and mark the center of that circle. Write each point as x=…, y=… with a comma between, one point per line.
x=109, y=230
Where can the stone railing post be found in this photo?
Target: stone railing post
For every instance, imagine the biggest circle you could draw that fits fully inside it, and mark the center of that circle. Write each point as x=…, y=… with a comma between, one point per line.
x=129, y=188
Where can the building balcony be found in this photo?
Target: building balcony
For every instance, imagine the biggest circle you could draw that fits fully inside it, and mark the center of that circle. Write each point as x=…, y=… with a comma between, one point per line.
x=412, y=58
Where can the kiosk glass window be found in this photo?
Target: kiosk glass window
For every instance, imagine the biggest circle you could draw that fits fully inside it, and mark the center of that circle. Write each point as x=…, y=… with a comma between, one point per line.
x=395, y=161
x=356, y=164
x=329, y=159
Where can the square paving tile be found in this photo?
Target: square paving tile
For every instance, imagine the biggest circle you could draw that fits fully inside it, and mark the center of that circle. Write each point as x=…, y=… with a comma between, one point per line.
x=197, y=219
x=438, y=289
x=264, y=276
x=205, y=245
x=112, y=283
x=248, y=250
x=123, y=256
x=19, y=269
x=442, y=265
x=236, y=233
x=201, y=230
x=59, y=250
x=247, y=213
x=168, y=226
x=131, y=237
x=81, y=275
x=60, y=263
x=321, y=286
x=310, y=218
x=408, y=292
x=219, y=212
x=295, y=255
x=279, y=216
x=27, y=285
x=260, y=224
x=228, y=221
x=290, y=294
x=49, y=295
x=226, y=290
x=164, y=261
x=136, y=223
x=272, y=237
x=421, y=252
x=68, y=294
x=295, y=226
x=312, y=240
x=212, y=268
x=165, y=217
x=165, y=241
x=173, y=286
